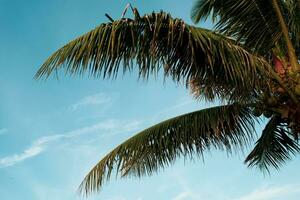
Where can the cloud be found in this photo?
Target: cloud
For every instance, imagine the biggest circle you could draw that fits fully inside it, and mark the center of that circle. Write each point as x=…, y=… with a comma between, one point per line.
x=96, y=99
x=272, y=192
x=28, y=153
x=35, y=149
x=179, y=107
x=121, y=198
x=41, y=144
x=117, y=198
x=181, y=104
x=186, y=195
x=3, y=131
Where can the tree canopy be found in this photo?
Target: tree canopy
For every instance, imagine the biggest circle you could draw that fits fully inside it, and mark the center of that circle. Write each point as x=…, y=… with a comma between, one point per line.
x=249, y=61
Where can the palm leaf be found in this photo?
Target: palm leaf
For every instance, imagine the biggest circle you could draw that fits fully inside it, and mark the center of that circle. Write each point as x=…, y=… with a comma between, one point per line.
x=156, y=40
x=252, y=22
x=223, y=127
x=274, y=147
x=293, y=19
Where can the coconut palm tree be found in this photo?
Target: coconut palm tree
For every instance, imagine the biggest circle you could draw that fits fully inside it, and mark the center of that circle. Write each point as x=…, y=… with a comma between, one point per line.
x=249, y=62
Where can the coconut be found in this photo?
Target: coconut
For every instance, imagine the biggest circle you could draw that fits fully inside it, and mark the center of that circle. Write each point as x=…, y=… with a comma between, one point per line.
x=272, y=101
x=297, y=89
x=298, y=77
x=257, y=112
x=280, y=90
x=285, y=114
x=292, y=124
x=268, y=114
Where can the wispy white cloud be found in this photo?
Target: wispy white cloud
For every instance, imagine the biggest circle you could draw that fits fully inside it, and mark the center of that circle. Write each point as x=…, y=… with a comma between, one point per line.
x=172, y=109
x=3, y=131
x=117, y=198
x=187, y=195
x=272, y=192
x=179, y=105
x=121, y=198
x=28, y=153
x=41, y=144
x=35, y=149
x=96, y=99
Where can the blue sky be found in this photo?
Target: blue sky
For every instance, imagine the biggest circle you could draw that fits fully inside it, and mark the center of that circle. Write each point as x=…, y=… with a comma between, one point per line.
x=53, y=132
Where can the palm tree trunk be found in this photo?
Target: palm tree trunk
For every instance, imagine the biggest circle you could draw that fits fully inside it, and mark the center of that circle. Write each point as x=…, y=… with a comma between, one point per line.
x=285, y=31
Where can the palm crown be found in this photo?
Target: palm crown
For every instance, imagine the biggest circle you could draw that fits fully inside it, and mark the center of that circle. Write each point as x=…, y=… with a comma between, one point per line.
x=249, y=61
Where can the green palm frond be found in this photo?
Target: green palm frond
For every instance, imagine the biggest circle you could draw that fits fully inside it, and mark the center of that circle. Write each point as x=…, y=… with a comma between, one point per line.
x=157, y=40
x=253, y=22
x=223, y=127
x=274, y=147
x=293, y=19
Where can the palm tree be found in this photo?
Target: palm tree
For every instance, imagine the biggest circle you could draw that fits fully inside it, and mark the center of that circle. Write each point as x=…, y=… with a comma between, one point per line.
x=249, y=62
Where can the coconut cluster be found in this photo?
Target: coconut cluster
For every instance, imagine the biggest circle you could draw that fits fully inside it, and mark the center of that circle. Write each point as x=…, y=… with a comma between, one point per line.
x=277, y=101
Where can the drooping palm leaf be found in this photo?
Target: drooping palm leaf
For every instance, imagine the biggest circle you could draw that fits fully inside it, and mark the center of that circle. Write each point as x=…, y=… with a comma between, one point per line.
x=293, y=19
x=274, y=147
x=188, y=135
x=253, y=22
x=159, y=40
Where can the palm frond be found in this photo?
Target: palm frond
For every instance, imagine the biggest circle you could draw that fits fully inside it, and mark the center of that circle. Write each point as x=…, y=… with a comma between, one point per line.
x=252, y=22
x=223, y=127
x=293, y=19
x=157, y=40
x=274, y=147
